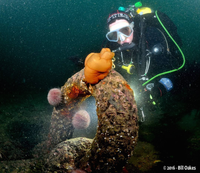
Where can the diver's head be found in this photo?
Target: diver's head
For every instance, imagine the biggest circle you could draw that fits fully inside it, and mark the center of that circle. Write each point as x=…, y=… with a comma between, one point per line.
x=121, y=28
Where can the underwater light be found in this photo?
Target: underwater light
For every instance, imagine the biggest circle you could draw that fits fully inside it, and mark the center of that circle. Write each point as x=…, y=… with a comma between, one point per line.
x=157, y=49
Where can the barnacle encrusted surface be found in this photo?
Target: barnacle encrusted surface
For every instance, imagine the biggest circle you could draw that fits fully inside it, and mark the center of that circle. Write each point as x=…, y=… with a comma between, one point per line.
x=117, y=130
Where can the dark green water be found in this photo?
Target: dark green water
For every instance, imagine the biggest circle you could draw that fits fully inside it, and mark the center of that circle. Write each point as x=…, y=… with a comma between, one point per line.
x=37, y=38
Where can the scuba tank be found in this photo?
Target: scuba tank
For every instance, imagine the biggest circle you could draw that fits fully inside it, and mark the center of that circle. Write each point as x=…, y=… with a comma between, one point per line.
x=135, y=9
x=142, y=21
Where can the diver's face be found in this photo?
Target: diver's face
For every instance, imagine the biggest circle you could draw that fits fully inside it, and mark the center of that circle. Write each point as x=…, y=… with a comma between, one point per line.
x=117, y=25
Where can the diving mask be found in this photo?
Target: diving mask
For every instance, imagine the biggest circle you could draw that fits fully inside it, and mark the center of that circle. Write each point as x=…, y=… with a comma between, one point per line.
x=119, y=34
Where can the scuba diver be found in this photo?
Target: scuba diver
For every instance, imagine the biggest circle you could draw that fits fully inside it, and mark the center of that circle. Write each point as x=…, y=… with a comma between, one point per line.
x=146, y=46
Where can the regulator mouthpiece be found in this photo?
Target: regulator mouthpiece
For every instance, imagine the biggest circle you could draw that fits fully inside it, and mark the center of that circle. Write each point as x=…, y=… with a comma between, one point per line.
x=124, y=47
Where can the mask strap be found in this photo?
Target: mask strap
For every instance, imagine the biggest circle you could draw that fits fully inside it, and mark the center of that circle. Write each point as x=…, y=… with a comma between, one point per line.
x=132, y=24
